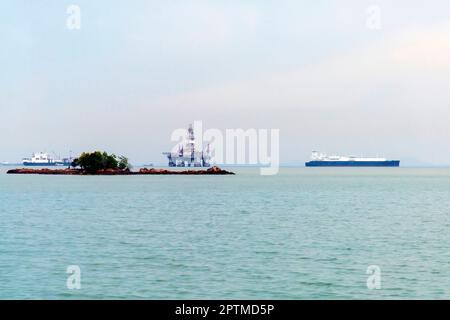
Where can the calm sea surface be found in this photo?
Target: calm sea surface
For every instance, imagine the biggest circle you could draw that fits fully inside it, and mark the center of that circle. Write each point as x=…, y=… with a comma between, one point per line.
x=306, y=233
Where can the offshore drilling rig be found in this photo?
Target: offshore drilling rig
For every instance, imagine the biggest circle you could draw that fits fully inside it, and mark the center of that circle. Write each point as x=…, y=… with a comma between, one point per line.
x=188, y=155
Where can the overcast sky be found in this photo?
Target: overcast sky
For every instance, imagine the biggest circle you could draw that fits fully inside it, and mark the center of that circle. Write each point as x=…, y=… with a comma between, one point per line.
x=139, y=69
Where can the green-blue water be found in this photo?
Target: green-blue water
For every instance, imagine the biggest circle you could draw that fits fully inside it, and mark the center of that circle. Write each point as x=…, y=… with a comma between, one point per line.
x=303, y=234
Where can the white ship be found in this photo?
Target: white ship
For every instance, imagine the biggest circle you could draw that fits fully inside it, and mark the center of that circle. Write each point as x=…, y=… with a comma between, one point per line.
x=44, y=160
x=322, y=160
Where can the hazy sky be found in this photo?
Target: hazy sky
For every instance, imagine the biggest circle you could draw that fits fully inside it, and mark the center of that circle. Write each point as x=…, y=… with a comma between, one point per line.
x=138, y=69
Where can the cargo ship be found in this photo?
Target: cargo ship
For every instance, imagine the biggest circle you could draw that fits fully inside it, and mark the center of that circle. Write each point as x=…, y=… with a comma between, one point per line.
x=44, y=160
x=322, y=160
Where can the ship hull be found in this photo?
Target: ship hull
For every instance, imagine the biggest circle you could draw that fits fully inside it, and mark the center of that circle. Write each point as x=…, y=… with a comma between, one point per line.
x=387, y=163
x=32, y=164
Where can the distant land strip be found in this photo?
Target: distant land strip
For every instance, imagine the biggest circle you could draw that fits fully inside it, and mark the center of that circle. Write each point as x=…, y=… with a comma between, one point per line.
x=118, y=172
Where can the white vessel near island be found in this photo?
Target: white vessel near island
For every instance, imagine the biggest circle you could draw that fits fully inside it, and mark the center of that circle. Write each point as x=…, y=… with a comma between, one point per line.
x=44, y=159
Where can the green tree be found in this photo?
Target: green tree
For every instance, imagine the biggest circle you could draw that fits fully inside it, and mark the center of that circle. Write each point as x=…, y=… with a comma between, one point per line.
x=94, y=161
x=123, y=163
x=109, y=161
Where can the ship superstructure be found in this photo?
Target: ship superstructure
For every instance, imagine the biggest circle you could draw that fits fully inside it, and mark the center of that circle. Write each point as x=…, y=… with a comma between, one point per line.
x=189, y=154
x=319, y=159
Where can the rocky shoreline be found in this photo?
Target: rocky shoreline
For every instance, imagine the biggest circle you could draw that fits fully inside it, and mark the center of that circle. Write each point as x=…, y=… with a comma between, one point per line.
x=117, y=172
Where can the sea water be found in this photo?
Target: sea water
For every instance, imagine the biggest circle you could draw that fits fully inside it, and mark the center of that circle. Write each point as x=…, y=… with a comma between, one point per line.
x=306, y=233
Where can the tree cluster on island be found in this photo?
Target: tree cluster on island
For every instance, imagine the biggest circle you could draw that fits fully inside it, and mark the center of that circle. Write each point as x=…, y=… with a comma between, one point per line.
x=97, y=160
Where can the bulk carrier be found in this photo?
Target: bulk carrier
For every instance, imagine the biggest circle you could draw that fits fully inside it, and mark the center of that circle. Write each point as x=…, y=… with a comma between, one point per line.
x=322, y=160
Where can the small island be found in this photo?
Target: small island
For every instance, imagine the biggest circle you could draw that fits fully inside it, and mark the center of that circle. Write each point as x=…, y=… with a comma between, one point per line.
x=101, y=163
